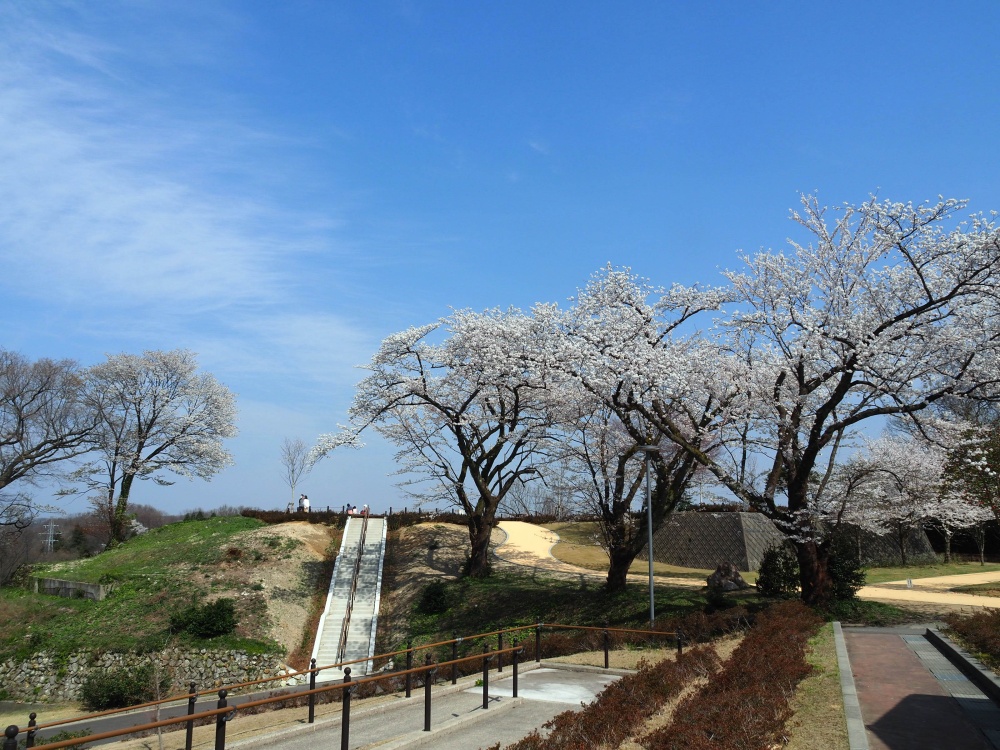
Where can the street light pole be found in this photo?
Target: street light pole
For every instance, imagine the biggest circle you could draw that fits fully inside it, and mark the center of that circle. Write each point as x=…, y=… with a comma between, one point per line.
x=649, y=531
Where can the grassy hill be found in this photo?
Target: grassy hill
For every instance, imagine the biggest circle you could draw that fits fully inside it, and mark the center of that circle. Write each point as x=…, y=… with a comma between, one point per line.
x=152, y=576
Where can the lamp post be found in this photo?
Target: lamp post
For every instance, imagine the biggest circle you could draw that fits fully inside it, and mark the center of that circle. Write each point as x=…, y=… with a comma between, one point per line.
x=649, y=530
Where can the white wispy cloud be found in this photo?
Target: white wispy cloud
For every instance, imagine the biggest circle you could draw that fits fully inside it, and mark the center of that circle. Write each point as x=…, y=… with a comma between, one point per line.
x=107, y=196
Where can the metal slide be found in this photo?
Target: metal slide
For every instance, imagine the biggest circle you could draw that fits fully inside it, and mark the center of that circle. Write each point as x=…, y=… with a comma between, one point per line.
x=346, y=629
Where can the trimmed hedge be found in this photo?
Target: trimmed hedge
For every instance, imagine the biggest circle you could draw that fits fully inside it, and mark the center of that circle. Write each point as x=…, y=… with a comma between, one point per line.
x=746, y=704
x=623, y=705
x=980, y=633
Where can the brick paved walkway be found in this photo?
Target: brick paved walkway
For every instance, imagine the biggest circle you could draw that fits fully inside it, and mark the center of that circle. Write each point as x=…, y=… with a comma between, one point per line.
x=913, y=698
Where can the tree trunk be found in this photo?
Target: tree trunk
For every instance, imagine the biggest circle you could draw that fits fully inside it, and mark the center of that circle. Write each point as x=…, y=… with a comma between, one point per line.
x=119, y=515
x=621, y=560
x=947, y=545
x=814, y=573
x=901, y=535
x=478, y=565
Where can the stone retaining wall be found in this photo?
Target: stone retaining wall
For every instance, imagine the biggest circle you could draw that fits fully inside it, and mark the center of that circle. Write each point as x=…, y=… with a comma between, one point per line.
x=70, y=589
x=47, y=678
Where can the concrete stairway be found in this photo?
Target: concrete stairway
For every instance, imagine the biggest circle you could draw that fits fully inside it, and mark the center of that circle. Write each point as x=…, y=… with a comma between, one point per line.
x=360, y=643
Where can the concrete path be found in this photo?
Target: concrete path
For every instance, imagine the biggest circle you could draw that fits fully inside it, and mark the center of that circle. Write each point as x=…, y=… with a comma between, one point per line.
x=458, y=720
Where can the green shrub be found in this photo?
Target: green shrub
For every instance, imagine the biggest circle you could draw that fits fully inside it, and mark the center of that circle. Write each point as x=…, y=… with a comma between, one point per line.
x=779, y=572
x=206, y=620
x=435, y=599
x=61, y=736
x=117, y=688
x=845, y=568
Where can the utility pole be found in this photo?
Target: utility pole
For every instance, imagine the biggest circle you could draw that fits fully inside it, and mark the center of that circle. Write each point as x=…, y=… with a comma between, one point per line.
x=50, y=534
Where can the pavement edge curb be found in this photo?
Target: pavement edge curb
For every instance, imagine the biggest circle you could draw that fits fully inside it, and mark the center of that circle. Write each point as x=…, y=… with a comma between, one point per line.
x=857, y=734
x=980, y=675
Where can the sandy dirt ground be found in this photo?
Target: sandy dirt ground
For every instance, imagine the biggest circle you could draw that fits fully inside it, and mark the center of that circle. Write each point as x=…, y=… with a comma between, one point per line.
x=287, y=579
x=530, y=546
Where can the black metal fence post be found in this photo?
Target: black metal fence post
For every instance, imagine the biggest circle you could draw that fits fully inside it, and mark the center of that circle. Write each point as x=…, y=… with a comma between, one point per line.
x=607, y=644
x=345, y=721
x=454, y=657
x=189, y=734
x=220, y=722
x=428, y=683
x=516, y=652
x=500, y=650
x=312, y=695
x=680, y=641
x=538, y=643
x=486, y=675
x=409, y=666
x=29, y=740
x=10, y=737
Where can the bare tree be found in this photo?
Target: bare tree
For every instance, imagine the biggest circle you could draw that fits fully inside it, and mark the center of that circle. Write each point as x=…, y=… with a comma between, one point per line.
x=42, y=420
x=294, y=462
x=42, y=423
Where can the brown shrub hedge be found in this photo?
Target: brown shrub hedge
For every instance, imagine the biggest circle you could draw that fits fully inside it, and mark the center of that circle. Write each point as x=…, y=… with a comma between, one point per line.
x=746, y=705
x=980, y=633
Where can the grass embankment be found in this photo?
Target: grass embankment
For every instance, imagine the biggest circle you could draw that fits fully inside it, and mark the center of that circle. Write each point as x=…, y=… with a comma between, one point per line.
x=818, y=704
x=152, y=576
x=476, y=605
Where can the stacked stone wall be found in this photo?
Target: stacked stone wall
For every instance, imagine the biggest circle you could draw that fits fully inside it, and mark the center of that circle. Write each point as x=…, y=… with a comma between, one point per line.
x=45, y=677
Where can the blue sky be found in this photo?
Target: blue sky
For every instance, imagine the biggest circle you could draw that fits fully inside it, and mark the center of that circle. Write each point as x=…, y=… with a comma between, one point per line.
x=278, y=186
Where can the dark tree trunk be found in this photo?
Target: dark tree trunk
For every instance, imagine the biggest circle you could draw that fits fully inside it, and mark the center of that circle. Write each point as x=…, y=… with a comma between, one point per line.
x=814, y=572
x=480, y=529
x=621, y=560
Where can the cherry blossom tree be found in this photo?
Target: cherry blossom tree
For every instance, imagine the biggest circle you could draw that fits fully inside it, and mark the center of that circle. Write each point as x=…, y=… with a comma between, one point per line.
x=465, y=413
x=616, y=355
x=896, y=485
x=883, y=313
x=156, y=414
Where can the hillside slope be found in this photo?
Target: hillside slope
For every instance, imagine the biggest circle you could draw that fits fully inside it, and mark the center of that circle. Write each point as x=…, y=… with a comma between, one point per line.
x=270, y=571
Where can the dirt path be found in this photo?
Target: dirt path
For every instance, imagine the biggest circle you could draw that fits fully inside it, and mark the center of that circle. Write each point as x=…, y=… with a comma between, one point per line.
x=529, y=546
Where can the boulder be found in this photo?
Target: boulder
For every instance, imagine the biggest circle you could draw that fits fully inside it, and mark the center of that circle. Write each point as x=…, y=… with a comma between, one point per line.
x=727, y=578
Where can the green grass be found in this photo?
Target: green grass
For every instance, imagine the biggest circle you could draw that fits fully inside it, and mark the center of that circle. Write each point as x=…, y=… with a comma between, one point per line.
x=154, y=575
x=863, y=612
x=157, y=552
x=507, y=600
x=980, y=589
x=883, y=575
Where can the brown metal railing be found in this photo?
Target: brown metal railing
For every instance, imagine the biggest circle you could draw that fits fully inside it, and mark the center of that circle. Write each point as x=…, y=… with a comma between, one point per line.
x=224, y=712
